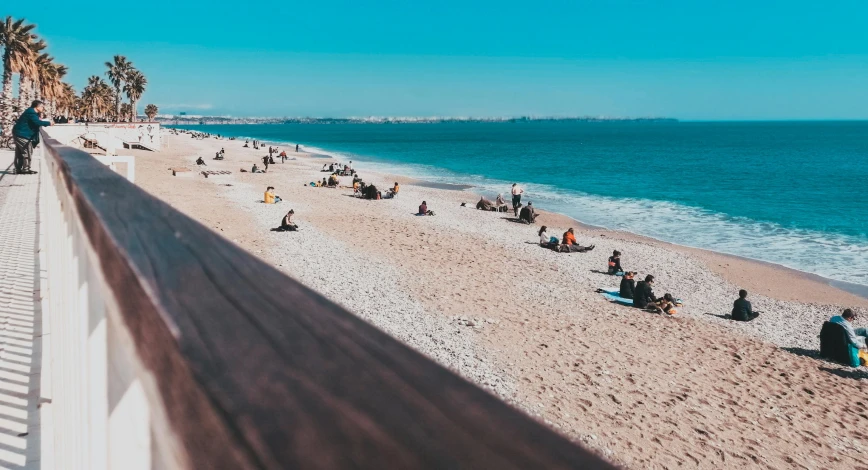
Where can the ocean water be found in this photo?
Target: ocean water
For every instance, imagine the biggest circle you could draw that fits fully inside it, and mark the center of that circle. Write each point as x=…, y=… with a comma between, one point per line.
x=792, y=193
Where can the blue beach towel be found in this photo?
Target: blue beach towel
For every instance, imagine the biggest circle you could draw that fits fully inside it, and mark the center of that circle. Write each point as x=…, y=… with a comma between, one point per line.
x=614, y=295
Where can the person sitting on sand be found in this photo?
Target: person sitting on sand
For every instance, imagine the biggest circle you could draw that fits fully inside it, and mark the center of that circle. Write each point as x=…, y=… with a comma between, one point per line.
x=741, y=308
x=615, y=262
x=286, y=224
x=270, y=197
x=858, y=337
x=423, y=208
x=546, y=240
x=200, y=162
x=245, y=145
x=628, y=285
x=643, y=296
x=256, y=169
x=569, y=243
x=528, y=215
x=500, y=201
x=333, y=181
x=395, y=189
x=484, y=204
x=665, y=304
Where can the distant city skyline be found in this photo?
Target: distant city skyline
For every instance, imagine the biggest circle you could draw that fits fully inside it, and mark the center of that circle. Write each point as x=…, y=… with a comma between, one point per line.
x=792, y=60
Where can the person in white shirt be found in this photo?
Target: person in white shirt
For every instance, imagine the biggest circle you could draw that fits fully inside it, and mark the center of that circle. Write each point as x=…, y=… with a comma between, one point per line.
x=545, y=240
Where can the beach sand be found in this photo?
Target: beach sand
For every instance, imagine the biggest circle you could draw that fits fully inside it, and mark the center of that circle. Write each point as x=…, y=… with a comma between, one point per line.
x=475, y=292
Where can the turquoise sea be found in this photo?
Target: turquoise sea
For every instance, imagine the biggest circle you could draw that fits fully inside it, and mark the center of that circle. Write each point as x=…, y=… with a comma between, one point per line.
x=792, y=193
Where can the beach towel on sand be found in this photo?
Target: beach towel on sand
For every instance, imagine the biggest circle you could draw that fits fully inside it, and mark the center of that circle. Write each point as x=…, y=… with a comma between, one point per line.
x=614, y=295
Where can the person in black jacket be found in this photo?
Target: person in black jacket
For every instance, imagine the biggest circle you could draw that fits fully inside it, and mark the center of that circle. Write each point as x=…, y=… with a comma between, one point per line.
x=741, y=308
x=615, y=263
x=628, y=285
x=643, y=295
x=26, y=135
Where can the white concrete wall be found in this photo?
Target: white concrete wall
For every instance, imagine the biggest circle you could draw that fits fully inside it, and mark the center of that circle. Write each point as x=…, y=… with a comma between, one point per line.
x=112, y=134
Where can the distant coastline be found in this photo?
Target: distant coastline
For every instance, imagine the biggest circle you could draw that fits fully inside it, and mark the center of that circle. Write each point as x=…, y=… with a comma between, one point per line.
x=181, y=120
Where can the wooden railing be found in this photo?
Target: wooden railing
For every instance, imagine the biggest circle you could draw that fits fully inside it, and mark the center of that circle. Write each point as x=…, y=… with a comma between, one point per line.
x=170, y=347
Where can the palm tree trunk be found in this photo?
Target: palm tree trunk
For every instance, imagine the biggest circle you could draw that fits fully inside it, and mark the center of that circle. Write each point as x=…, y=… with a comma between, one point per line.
x=23, y=86
x=118, y=104
x=6, y=96
x=133, y=104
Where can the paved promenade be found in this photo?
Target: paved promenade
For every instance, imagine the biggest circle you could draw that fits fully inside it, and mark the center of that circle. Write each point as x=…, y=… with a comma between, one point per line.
x=20, y=320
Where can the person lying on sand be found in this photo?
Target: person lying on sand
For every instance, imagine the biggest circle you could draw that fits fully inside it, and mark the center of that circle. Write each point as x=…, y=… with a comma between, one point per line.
x=569, y=243
x=270, y=197
x=643, y=296
x=615, y=263
x=628, y=285
x=546, y=240
x=286, y=224
x=484, y=204
x=741, y=308
x=528, y=215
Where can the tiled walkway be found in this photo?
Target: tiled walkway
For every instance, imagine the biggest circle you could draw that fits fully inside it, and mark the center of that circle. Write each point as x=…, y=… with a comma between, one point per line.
x=20, y=322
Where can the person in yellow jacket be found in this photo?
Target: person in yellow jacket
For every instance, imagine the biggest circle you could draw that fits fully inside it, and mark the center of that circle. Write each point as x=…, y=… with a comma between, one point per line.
x=270, y=197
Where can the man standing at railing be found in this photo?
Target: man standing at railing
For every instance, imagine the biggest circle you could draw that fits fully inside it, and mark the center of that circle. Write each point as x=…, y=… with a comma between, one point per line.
x=26, y=134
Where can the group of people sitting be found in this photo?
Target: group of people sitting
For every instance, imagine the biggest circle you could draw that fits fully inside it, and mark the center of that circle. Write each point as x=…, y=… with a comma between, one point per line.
x=643, y=296
x=526, y=214
x=498, y=205
x=342, y=170
x=370, y=191
x=220, y=155
x=567, y=244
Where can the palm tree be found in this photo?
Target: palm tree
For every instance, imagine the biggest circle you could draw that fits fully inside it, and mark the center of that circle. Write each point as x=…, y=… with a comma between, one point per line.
x=28, y=74
x=97, y=97
x=134, y=88
x=51, y=84
x=15, y=36
x=65, y=103
x=151, y=111
x=117, y=73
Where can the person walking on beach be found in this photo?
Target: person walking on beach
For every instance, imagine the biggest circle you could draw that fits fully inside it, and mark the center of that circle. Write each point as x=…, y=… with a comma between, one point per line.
x=296, y=148
x=26, y=135
x=516, y=198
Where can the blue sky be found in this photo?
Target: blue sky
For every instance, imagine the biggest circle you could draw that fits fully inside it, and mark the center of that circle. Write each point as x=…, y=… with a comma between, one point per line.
x=685, y=59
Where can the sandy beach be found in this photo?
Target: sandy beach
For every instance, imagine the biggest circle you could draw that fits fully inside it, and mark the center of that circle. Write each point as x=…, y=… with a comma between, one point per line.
x=475, y=292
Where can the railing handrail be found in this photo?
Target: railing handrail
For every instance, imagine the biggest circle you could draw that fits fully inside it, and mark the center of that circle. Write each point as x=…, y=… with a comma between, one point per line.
x=255, y=370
